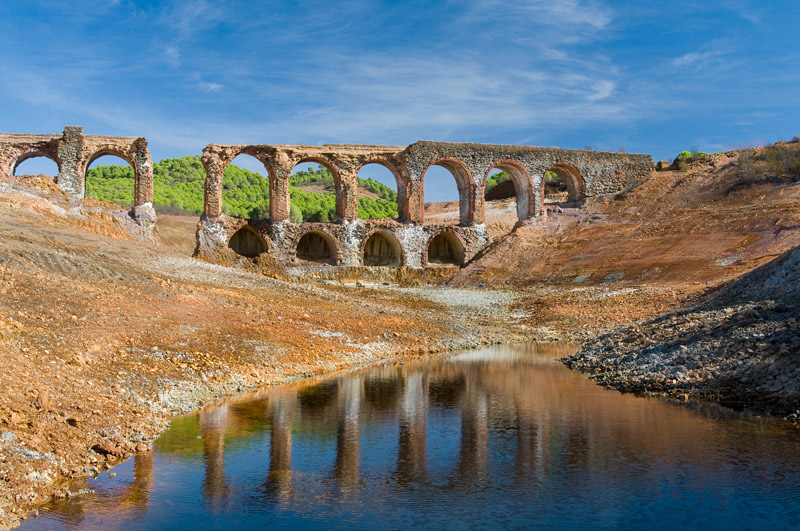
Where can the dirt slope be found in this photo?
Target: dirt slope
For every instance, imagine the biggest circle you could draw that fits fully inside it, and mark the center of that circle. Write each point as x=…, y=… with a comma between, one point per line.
x=691, y=227
x=740, y=345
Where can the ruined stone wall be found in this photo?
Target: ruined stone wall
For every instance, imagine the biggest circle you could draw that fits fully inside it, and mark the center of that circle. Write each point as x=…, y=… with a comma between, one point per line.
x=588, y=173
x=73, y=152
x=343, y=161
x=348, y=239
x=598, y=172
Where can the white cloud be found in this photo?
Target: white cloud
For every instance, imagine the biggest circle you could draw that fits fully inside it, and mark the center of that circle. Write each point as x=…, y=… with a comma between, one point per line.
x=210, y=87
x=702, y=56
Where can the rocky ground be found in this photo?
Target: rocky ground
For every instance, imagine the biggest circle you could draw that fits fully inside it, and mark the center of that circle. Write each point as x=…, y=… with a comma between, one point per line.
x=108, y=330
x=739, y=346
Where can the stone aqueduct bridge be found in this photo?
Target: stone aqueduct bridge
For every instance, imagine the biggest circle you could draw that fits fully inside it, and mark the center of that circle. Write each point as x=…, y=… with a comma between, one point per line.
x=73, y=152
x=407, y=240
x=351, y=242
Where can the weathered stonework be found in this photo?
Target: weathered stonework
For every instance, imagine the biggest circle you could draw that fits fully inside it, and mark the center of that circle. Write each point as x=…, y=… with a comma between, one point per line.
x=586, y=174
x=73, y=152
x=346, y=240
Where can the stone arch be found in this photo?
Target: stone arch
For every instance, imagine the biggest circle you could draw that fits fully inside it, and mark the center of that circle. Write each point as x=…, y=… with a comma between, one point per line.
x=316, y=245
x=324, y=161
x=523, y=185
x=381, y=247
x=343, y=193
x=445, y=247
x=402, y=181
x=463, y=178
x=247, y=242
x=263, y=198
x=114, y=152
x=32, y=154
x=572, y=178
x=215, y=158
x=247, y=150
x=120, y=154
x=132, y=151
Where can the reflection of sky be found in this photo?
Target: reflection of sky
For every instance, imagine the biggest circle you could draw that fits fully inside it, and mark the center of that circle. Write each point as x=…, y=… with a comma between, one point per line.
x=515, y=441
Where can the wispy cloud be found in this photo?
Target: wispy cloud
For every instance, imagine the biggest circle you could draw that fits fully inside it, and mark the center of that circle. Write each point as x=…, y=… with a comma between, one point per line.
x=703, y=56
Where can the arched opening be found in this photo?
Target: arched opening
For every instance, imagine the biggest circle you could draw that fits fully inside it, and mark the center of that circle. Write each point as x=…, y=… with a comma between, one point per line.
x=382, y=249
x=312, y=189
x=508, y=192
x=36, y=165
x=377, y=192
x=555, y=189
x=108, y=180
x=318, y=247
x=446, y=202
x=245, y=188
x=247, y=242
x=563, y=183
x=445, y=248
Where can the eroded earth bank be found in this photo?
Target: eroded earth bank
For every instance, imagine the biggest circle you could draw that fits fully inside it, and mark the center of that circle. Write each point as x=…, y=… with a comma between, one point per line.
x=104, y=337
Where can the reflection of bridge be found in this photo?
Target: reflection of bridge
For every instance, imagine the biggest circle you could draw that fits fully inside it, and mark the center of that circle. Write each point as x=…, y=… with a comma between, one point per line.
x=338, y=409
x=405, y=241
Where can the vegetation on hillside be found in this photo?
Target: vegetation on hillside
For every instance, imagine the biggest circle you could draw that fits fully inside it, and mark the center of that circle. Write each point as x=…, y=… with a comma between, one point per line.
x=779, y=162
x=685, y=158
x=178, y=189
x=496, y=179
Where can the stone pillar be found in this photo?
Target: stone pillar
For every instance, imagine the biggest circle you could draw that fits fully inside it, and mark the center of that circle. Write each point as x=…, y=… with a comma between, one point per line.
x=71, y=175
x=415, y=208
x=538, y=195
x=279, y=198
x=143, y=172
x=213, y=192
x=476, y=206
x=347, y=196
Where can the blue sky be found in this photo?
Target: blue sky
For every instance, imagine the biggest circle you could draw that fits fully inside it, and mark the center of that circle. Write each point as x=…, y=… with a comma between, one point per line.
x=654, y=77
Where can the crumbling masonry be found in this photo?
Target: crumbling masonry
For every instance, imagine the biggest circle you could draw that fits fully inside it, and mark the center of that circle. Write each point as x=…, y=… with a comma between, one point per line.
x=405, y=241
x=73, y=152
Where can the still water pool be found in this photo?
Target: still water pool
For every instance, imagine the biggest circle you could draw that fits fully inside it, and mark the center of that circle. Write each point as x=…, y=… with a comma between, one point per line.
x=500, y=438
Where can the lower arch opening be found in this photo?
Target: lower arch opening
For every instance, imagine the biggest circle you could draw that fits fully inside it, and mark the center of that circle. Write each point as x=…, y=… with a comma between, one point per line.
x=446, y=248
x=246, y=242
x=316, y=247
x=381, y=250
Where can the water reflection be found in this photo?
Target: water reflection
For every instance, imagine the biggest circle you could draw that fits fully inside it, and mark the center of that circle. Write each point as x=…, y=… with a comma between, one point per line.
x=504, y=437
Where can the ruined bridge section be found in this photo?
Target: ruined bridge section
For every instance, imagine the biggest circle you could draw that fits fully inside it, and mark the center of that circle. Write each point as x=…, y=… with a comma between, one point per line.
x=407, y=240
x=73, y=152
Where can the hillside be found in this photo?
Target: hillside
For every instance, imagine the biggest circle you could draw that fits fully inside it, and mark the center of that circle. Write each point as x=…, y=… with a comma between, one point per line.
x=728, y=213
